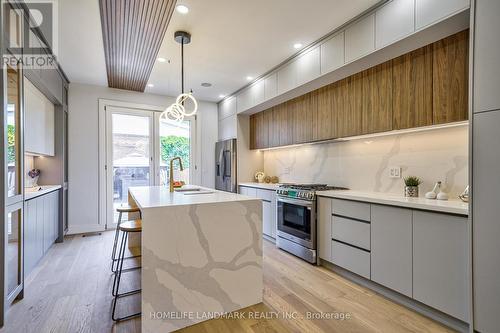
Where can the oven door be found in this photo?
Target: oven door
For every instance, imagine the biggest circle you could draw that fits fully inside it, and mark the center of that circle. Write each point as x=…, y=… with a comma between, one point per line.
x=296, y=221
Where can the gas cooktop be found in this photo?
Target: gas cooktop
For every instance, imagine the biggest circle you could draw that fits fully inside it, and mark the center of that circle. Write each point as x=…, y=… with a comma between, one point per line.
x=304, y=191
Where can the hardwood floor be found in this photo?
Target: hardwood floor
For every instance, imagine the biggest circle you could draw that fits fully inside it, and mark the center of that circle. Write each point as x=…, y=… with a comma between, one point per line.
x=70, y=291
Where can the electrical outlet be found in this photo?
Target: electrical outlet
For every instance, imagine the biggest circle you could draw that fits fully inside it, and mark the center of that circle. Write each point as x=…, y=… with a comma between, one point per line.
x=395, y=172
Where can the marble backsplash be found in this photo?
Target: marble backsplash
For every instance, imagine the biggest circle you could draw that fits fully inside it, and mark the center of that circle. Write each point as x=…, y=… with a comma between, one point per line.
x=363, y=164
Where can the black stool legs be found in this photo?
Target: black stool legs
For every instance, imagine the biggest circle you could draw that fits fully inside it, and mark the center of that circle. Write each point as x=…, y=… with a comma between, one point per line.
x=117, y=278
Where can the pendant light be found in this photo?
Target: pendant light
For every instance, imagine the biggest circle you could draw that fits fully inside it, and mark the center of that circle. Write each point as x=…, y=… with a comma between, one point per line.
x=177, y=110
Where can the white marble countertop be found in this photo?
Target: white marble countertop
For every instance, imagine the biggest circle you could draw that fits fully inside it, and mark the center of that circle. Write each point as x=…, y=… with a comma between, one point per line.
x=263, y=186
x=451, y=206
x=160, y=196
x=33, y=192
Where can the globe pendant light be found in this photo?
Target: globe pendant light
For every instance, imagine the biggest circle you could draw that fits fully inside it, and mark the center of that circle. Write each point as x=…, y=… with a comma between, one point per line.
x=177, y=111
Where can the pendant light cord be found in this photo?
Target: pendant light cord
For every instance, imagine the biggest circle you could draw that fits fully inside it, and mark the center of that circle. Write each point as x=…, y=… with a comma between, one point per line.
x=182, y=66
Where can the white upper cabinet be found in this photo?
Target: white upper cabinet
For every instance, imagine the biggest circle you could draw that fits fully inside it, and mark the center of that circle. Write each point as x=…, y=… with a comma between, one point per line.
x=332, y=53
x=308, y=66
x=431, y=11
x=244, y=100
x=39, y=121
x=270, y=86
x=227, y=108
x=486, y=55
x=257, y=92
x=227, y=128
x=287, y=79
x=360, y=38
x=394, y=21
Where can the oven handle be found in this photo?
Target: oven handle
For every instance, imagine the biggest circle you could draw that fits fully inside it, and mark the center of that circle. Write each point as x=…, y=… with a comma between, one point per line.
x=307, y=204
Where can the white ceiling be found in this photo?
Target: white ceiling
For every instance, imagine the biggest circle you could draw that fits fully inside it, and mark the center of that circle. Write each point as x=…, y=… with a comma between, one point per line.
x=231, y=39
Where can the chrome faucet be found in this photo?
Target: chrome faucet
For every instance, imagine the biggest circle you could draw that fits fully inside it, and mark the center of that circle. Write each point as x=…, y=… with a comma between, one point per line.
x=172, y=171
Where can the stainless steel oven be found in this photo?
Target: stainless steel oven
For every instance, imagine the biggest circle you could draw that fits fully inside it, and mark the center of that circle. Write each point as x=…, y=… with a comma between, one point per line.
x=297, y=227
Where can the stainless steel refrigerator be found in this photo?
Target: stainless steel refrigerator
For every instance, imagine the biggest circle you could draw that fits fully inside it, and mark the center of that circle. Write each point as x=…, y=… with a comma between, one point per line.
x=225, y=165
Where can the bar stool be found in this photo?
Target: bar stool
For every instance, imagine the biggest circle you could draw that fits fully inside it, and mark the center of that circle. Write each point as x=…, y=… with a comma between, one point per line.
x=126, y=228
x=122, y=209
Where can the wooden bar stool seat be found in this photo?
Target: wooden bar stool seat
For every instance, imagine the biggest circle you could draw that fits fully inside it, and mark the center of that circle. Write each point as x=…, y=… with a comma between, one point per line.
x=131, y=226
x=127, y=209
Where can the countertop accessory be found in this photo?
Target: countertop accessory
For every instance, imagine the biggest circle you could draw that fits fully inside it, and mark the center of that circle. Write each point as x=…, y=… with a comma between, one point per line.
x=433, y=194
x=259, y=176
x=411, y=186
x=465, y=195
x=33, y=177
x=275, y=180
x=267, y=179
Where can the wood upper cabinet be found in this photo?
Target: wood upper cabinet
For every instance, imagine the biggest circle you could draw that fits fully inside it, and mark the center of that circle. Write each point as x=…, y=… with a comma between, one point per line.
x=323, y=119
x=272, y=117
x=348, y=105
x=377, y=99
x=412, y=89
x=286, y=121
x=259, y=131
x=450, y=78
x=304, y=110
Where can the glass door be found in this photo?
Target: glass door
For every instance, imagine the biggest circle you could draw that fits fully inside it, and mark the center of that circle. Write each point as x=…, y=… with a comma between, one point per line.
x=13, y=251
x=130, y=153
x=174, y=139
x=13, y=142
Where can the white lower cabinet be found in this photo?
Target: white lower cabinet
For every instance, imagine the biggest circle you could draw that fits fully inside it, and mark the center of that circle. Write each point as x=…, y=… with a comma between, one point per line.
x=268, y=208
x=391, y=248
x=351, y=258
x=324, y=213
x=420, y=254
x=40, y=227
x=440, y=262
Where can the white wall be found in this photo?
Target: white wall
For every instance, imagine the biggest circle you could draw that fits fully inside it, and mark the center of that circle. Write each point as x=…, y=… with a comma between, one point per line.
x=363, y=164
x=83, y=206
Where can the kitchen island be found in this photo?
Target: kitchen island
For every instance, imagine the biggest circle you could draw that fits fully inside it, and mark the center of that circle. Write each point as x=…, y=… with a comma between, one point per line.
x=201, y=255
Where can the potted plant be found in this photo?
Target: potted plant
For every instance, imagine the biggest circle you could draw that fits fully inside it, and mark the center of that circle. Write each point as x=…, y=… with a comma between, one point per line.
x=411, y=186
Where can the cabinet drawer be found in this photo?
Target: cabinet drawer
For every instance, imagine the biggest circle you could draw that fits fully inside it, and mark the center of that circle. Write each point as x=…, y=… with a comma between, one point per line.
x=249, y=191
x=351, y=231
x=352, y=209
x=267, y=195
x=351, y=258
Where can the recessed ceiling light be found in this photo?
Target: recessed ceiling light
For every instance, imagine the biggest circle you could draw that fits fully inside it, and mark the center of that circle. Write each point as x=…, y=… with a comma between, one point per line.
x=150, y=85
x=249, y=78
x=206, y=84
x=297, y=45
x=222, y=96
x=160, y=59
x=183, y=9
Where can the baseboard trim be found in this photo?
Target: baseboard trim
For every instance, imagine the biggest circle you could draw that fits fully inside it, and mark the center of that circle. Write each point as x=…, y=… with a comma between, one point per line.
x=84, y=228
x=421, y=308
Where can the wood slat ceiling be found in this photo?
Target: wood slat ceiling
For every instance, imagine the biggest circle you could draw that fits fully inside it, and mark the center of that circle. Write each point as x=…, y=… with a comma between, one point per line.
x=133, y=31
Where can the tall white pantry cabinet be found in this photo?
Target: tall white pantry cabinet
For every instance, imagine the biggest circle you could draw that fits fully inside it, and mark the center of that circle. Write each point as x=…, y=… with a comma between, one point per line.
x=485, y=159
